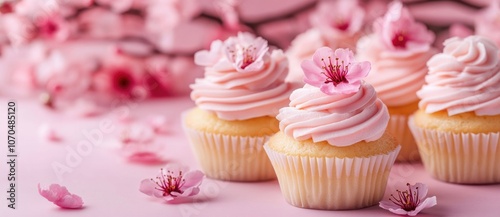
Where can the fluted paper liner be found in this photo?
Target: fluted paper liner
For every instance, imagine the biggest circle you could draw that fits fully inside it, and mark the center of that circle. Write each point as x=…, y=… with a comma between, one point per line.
x=332, y=183
x=398, y=127
x=465, y=158
x=231, y=158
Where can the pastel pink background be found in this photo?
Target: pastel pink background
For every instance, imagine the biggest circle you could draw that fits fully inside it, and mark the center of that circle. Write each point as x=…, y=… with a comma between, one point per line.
x=109, y=185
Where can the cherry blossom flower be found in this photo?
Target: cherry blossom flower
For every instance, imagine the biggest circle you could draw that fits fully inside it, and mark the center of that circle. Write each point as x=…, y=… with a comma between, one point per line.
x=173, y=182
x=398, y=30
x=246, y=52
x=53, y=26
x=335, y=72
x=121, y=76
x=61, y=197
x=338, y=17
x=409, y=202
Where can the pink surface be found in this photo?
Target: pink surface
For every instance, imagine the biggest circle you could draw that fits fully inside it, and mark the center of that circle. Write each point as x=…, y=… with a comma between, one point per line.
x=109, y=186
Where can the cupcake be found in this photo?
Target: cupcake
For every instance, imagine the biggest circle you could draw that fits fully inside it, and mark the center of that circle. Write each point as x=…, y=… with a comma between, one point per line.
x=236, y=104
x=457, y=126
x=332, y=151
x=398, y=50
x=335, y=24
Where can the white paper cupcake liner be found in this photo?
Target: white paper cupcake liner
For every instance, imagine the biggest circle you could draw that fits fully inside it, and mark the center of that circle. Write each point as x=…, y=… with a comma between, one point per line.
x=332, y=183
x=231, y=158
x=465, y=158
x=398, y=127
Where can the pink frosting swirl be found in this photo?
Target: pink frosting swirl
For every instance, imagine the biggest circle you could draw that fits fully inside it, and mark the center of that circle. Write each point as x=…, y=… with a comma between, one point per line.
x=396, y=75
x=234, y=95
x=339, y=119
x=464, y=78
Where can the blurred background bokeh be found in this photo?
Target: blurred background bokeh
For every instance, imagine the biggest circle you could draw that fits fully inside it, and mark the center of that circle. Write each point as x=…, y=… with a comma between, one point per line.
x=94, y=54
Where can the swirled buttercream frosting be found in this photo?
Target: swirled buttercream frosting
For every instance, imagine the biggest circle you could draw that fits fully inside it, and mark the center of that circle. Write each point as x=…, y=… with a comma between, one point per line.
x=339, y=119
x=465, y=77
x=243, y=79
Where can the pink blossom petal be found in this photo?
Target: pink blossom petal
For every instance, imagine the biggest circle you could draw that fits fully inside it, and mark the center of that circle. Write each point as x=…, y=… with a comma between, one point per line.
x=54, y=193
x=427, y=203
x=399, y=211
x=388, y=205
x=173, y=182
x=146, y=158
x=257, y=65
x=193, y=178
x=358, y=71
x=147, y=187
x=188, y=192
x=142, y=152
x=407, y=197
x=421, y=188
x=47, y=132
x=321, y=55
x=312, y=73
x=159, y=194
x=137, y=132
x=194, y=191
x=169, y=198
x=345, y=55
x=139, y=144
x=261, y=47
x=60, y=196
x=342, y=88
x=70, y=201
x=334, y=71
x=328, y=89
x=161, y=124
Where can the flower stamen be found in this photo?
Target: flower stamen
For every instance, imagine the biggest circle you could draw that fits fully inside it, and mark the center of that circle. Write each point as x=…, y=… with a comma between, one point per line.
x=399, y=40
x=169, y=182
x=335, y=73
x=248, y=54
x=407, y=200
